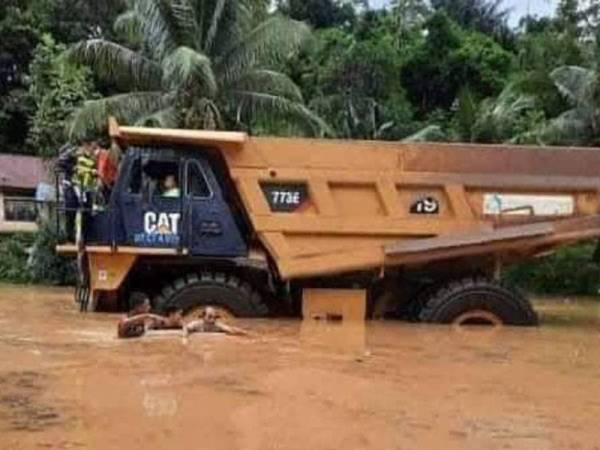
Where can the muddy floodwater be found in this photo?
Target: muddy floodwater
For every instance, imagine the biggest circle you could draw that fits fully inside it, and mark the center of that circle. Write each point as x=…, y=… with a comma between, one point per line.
x=66, y=382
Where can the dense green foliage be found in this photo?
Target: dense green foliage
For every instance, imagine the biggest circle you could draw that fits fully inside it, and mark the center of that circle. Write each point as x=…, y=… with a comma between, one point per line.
x=57, y=87
x=28, y=258
x=571, y=271
x=23, y=23
x=446, y=69
x=44, y=265
x=13, y=264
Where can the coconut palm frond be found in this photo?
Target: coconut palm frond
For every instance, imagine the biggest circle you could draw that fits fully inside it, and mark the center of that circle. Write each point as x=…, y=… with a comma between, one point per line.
x=204, y=114
x=127, y=108
x=271, y=42
x=128, y=26
x=115, y=63
x=510, y=106
x=275, y=83
x=430, y=133
x=158, y=26
x=224, y=22
x=571, y=127
x=211, y=33
x=268, y=106
x=185, y=67
x=185, y=20
x=574, y=83
x=498, y=119
x=165, y=118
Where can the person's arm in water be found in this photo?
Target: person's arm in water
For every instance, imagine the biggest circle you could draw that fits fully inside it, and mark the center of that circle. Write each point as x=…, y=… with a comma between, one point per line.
x=228, y=329
x=137, y=325
x=167, y=323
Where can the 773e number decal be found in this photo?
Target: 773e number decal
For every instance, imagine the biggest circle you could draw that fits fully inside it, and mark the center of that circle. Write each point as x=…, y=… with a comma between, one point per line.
x=283, y=197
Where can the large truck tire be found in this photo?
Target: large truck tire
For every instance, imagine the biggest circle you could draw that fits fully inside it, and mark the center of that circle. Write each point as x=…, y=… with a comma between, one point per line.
x=477, y=301
x=226, y=293
x=415, y=306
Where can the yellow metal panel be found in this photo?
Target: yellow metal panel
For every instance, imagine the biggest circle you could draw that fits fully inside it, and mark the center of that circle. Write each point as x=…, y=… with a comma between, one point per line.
x=108, y=270
x=348, y=304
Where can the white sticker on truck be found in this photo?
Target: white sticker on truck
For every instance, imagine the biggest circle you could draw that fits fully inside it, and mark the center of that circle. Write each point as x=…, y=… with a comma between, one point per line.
x=524, y=204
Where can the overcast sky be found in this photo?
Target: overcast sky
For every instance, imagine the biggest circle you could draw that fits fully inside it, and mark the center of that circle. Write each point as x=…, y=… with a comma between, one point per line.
x=520, y=8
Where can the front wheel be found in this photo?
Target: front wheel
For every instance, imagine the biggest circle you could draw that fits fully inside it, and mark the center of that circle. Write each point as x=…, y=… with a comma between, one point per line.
x=477, y=301
x=226, y=293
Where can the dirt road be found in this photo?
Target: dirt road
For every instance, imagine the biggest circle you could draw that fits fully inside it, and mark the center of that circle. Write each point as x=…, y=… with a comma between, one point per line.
x=67, y=382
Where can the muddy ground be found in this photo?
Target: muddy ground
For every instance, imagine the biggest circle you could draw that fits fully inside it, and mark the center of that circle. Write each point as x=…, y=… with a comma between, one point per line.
x=66, y=382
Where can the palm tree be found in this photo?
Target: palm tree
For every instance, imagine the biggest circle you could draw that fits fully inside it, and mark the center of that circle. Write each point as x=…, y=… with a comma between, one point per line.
x=501, y=119
x=196, y=64
x=581, y=123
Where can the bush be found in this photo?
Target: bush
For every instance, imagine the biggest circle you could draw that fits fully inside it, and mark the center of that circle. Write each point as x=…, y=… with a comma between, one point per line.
x=13, y=264
x=45, y=266
x=570, y=271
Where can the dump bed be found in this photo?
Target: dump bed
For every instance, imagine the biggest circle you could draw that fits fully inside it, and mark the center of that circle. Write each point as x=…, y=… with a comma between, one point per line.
x=326, y=206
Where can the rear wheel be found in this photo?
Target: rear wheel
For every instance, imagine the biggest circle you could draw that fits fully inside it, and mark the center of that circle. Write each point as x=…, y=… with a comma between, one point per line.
x=226, y=293
x=477, y=301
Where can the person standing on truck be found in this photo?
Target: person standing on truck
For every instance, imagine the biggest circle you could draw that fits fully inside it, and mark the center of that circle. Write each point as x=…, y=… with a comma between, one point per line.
x=85, y=174
x=106, y=169
x=209, y=322
x=66, y=164
x=170, y=187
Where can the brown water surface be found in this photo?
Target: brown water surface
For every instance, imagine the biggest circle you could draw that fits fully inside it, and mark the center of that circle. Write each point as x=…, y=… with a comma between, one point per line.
x=66, y=382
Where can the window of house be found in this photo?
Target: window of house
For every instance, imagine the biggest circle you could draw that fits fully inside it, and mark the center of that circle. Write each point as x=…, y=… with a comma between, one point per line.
x=20, y=210
x=197, y=185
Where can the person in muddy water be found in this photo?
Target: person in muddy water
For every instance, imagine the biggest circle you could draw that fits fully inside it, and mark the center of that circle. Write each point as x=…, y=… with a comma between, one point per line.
x=209, y=322
x=139, y=319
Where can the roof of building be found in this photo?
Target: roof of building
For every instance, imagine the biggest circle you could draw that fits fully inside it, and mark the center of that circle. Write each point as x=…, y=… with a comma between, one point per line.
x=21, y=172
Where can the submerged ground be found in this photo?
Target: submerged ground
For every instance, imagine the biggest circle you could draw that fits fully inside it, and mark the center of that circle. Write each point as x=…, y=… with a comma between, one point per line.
x=67, y=382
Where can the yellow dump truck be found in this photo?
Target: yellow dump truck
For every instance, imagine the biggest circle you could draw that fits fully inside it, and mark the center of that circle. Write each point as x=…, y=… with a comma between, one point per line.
x=252, y=225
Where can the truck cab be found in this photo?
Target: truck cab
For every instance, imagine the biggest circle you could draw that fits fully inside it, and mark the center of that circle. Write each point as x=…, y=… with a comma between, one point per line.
x=195, y=216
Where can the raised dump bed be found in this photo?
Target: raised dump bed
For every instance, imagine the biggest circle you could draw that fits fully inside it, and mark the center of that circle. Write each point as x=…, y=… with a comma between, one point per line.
x=401, y=221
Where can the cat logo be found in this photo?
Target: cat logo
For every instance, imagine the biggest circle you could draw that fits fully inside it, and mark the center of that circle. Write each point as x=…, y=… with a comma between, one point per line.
x=427, y=205
x=161, y=223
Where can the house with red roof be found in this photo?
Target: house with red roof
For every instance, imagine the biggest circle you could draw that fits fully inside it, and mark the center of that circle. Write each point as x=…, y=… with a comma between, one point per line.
x=20, y=179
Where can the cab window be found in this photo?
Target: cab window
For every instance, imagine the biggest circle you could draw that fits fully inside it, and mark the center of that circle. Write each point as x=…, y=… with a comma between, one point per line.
x=197, y=185
x=162, y=178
